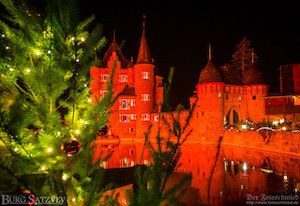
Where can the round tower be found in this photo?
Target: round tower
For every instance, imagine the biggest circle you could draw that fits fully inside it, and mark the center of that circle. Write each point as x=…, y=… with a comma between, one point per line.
x=144, y=86
x=210, y=91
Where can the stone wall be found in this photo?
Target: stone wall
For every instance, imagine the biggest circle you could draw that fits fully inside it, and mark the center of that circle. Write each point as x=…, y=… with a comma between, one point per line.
x=283, y=142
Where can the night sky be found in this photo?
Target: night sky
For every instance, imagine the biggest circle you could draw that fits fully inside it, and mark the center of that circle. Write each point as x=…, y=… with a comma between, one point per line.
x=178, y=35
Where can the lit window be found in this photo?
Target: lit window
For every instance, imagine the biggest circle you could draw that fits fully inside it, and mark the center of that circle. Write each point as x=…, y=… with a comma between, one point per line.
x=132, y=102
x=123, y=78
x=133, y=117
x=219, y=94
x=103, y=93
x=156, y=118
x=296, y=100
x=146, y=117
x=124, y=105
x=105, y=77
x=124, y=118
x=145, y=97
x=145, y=75
x=240, y=96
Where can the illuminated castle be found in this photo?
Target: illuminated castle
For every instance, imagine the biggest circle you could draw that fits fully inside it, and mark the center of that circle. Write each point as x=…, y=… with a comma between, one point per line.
x=221, y=99
x=140, y=89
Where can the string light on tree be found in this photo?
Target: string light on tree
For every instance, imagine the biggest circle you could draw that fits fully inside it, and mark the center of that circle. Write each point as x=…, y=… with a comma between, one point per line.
x=49, y=149
x=37, y=52
x=64, y=177
x=28, y=70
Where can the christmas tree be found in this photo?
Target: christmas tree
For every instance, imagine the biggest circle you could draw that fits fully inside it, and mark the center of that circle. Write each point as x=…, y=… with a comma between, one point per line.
x=47, y=123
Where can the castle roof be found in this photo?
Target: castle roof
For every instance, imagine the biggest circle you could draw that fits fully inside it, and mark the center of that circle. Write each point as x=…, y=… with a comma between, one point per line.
x=210, y=74
x=253, y=75
x=144, y=56
x=128, y=91
x=125, y=63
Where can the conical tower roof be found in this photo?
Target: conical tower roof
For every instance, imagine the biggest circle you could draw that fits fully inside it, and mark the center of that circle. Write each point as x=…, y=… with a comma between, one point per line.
x=210, y=73
x=144, y=56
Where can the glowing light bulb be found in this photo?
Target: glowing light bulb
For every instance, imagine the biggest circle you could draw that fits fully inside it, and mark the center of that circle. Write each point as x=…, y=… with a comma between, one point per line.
x=43, y=168
x=64, y=177
x=3, y=35
x=73, y=38
x=28, y=70
x=49, y=150
x=85, y=85
x=49, y=51
x=244, y=126
x=16, y=149
x=11, y=69
x=285, y=177
x=85, y=122
x=82, y=39
x=77, y=131
x=77, y=60
x=89, y=100
x=58, y=133
x=73, y=200
x=283, y=128
x=37, y=52
x=245, y=166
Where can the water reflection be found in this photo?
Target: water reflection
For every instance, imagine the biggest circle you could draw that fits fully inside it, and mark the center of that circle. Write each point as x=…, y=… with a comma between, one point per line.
x=239, y=173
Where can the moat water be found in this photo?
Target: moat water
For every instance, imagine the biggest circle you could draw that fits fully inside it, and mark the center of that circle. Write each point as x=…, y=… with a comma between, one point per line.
x=241, y=176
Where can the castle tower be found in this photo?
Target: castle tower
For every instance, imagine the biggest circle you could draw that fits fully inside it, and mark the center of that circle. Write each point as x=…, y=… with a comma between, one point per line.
x=210, y=90
x=144, y=86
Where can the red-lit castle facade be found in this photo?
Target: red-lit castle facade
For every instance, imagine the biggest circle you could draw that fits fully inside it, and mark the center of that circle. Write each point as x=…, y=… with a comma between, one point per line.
x=220, y=99
x=139, y=89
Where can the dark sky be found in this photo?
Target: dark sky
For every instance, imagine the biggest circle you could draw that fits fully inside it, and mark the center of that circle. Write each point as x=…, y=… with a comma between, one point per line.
x=178, y=35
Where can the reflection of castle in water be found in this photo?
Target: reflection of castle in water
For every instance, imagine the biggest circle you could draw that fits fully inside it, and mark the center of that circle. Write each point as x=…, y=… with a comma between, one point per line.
x=238, y=172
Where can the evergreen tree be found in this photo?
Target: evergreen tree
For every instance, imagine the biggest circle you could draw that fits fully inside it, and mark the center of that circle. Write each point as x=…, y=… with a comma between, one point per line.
x=242, y=57
x=45, y=59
